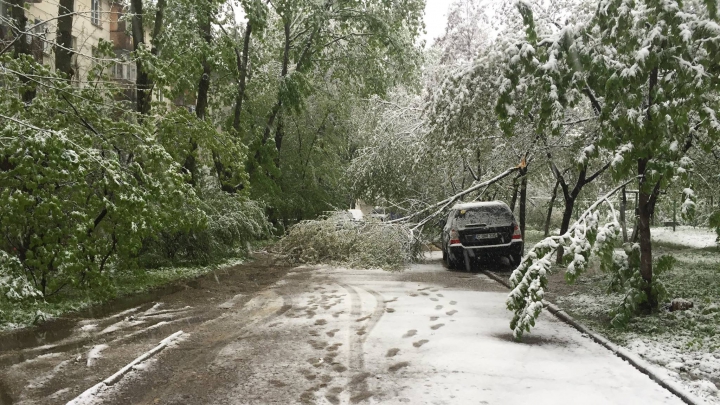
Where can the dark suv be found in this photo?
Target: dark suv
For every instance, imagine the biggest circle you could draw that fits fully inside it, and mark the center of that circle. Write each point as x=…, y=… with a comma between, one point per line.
x=481, y=229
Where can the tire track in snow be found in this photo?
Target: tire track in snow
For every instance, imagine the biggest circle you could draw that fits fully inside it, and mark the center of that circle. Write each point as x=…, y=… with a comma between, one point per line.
x=358, y=384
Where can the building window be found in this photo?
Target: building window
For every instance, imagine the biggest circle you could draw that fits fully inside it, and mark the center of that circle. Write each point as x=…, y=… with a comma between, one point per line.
x=95, y=12
x=119, y=71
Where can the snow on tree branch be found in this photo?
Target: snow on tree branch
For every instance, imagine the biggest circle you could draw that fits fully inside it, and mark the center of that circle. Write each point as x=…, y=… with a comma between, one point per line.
x=529, y=279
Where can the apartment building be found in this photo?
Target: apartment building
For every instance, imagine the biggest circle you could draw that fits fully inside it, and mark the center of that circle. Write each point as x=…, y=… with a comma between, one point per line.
x=95, y=20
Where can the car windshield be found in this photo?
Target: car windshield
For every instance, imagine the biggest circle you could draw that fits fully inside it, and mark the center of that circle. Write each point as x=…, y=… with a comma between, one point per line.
x=494, y=215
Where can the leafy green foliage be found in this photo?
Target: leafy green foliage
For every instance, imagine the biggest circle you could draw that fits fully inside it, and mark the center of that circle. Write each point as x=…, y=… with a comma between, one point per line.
x=79, y=183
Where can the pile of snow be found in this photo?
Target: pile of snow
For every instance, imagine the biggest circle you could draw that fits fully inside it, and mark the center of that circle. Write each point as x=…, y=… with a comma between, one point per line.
x=686, y=236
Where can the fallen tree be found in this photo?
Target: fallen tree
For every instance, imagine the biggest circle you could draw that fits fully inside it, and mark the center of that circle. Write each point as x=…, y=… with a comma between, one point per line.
x=440, y=207
x=336, y=239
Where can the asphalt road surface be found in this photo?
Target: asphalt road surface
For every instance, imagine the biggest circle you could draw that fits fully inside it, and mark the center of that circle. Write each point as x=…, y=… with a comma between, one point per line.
x=326, y=335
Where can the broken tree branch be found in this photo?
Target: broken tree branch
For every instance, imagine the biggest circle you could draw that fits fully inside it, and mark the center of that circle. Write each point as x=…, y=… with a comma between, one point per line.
x=442, y=205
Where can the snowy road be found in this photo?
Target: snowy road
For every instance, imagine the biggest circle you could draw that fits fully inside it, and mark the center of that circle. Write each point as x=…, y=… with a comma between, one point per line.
x=425, y=336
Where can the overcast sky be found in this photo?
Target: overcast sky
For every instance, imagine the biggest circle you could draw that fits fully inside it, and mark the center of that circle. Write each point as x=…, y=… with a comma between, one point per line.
x=435, y=18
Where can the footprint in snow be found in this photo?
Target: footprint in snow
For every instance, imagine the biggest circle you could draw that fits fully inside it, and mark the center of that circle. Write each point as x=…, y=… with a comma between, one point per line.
x=410, y=333
x=438, y=326
x=438, y=307
x=397, y=366
x=451, y=313
x=420, y=342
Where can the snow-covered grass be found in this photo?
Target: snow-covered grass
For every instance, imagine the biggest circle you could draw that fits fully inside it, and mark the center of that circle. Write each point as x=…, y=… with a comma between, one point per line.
x=683, y=345
x=15, y=315
x=685, y=236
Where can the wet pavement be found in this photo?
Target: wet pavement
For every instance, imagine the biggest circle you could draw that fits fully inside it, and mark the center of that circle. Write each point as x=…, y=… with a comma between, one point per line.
x=327, y=335
x=50, y=364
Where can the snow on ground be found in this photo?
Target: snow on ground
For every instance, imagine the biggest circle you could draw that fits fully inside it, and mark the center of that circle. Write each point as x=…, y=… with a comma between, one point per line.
x=685, y=236
x=43, y=379
x=590, y=305
x=94, y=354
x=95, y=394
x=439, y=345
x=231, y=302
x=669, y=361
x=681, y=355
x=125, y=323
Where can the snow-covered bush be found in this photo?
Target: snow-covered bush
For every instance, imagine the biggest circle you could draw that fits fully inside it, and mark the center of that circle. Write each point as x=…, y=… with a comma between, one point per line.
x=368, y=244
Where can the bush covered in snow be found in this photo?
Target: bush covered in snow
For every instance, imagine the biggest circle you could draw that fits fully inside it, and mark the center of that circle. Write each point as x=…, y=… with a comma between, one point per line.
x=335, y=239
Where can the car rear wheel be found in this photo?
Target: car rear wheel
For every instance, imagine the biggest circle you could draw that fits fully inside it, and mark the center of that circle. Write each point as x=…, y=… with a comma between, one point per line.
x=453, y=264
x=514, y=259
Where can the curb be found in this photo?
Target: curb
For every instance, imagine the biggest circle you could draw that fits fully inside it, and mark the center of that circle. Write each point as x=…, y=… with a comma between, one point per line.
x=621, y=352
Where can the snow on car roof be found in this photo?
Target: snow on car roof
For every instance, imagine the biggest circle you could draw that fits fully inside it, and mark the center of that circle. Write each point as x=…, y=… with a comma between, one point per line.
x=477, y=204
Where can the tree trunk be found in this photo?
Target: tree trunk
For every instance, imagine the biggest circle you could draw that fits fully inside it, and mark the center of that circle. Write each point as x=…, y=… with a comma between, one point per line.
x=63, y=49
x=204, y=85
x=550, y=209
x=17, y=13
x=143, y=84
x=21, y=47
x=523, y=201
x=623, y=206
x=646, y=205
x=157, y=28
x=513, y=200
x=646, y=265
x=279, y=134
x=242, y=71
x=565, y=224
x=203, y=89
x=283, y=73
x=202, y=98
